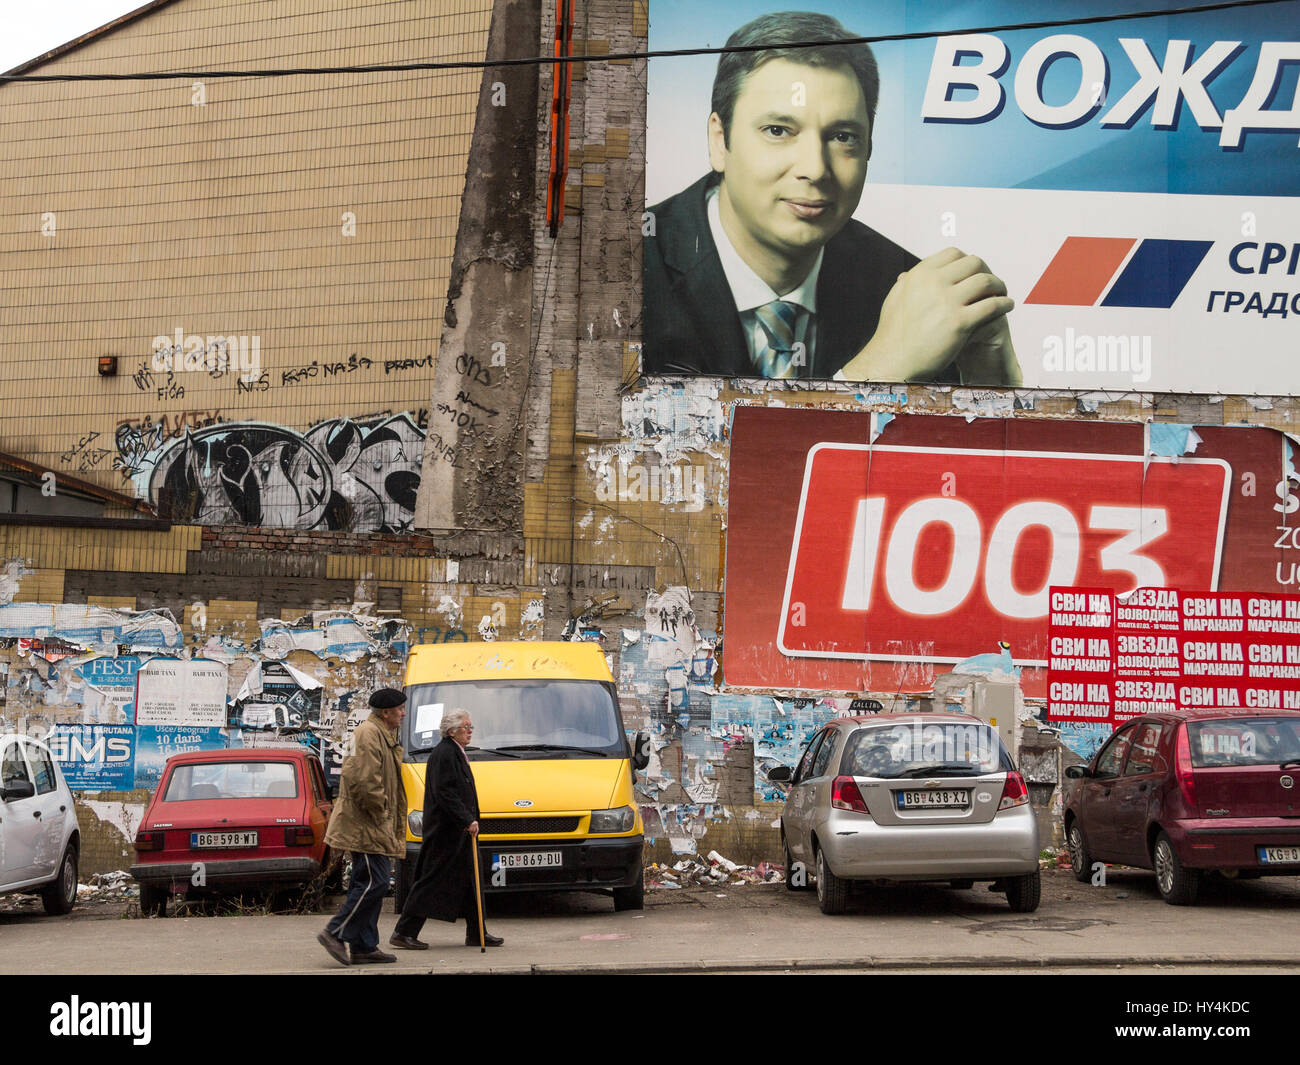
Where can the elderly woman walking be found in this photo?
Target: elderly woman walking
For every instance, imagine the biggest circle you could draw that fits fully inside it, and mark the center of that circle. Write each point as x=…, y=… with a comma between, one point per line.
x=444, y=885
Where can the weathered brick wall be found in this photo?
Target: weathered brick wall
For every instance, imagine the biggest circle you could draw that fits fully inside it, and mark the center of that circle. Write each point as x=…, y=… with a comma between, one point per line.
x=108, y=821
x=318, y=220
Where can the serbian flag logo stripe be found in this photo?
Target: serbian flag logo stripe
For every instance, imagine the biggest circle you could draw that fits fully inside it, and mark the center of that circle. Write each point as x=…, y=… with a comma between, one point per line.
x=1157, y=273
x=1154, y=276
x=1079, y=272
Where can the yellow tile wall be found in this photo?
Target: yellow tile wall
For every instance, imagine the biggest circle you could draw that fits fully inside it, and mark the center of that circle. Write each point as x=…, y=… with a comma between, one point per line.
x=227, y=219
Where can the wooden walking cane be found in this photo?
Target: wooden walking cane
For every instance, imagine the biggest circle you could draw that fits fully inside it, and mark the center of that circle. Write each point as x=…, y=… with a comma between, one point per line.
x=478, y=893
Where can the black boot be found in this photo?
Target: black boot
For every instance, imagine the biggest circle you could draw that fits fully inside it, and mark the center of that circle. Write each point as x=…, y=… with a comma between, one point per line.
x=489, y=940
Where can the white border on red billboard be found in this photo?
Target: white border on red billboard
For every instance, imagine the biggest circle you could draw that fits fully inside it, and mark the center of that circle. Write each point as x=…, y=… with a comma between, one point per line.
x=1087, y=456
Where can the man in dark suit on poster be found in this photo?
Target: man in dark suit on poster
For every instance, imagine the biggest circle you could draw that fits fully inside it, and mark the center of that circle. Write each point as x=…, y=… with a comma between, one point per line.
x=759, y=270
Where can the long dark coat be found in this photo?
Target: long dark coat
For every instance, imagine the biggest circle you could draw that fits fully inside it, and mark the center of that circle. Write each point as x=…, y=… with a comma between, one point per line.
x=444, y=874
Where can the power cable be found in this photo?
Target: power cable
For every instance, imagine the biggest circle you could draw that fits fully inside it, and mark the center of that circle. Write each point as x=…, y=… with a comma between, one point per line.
x=483, y=64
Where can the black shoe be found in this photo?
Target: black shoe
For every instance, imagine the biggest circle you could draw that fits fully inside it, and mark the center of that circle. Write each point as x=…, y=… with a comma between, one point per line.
x=337, y=948
x=489, y=940
x=407, y=942
x=375, y=955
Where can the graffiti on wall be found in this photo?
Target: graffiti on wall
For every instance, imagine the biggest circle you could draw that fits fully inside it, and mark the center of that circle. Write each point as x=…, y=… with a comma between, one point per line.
x=138, y=438
x=353, y=474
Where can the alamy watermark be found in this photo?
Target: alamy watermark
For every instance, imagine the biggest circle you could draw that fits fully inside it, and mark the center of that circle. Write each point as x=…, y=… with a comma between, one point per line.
x=948, y=744
x=636, y=483
x=193, y=353
x=77, y=1018
x=1103, y=356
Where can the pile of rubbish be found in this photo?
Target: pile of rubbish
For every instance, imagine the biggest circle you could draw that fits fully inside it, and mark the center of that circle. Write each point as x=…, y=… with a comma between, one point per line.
x=19, y=903
x=105, y=887
x=101, y=887
x=715, y=871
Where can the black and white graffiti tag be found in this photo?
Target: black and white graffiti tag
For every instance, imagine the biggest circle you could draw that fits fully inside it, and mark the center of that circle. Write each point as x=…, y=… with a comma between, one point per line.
x=340, y=474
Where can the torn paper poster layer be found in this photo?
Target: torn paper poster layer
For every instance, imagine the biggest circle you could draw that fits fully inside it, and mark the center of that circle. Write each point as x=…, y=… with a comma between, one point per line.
x=12, y=572
x=688, y=412
x=670, y=625
x=181, y=692
x=879, y=419
x=983, y=402
x=532, y=620
x=1169, y=440
x=123, y=816
x=334, y=634
x=90, y=626
x=109, y=687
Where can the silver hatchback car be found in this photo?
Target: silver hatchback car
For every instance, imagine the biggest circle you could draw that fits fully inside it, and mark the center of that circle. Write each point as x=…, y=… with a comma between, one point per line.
x=908, y=797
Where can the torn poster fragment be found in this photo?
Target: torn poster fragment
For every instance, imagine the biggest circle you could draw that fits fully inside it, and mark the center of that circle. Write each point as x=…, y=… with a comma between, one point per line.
x=89, y=626
x=94, y=757
x=670, y=626
x=154, y=744
x=334, y=634
x=276, y=696
x=181, y=692
x=11, y=574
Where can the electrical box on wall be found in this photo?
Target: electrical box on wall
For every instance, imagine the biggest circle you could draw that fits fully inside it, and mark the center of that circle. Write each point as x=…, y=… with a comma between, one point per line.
x=996, y=701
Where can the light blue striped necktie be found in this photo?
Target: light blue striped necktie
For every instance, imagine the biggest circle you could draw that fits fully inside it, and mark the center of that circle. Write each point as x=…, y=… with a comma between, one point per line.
x=779, y=320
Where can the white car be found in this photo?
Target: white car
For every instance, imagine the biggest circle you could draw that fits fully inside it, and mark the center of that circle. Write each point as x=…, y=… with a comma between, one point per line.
x=39, y=840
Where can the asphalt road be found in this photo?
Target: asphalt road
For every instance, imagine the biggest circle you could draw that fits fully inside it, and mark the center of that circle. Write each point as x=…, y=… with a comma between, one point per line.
x=1243, y=926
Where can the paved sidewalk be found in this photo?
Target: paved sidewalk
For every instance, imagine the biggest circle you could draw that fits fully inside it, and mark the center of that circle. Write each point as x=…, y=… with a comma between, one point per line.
x=751, y=928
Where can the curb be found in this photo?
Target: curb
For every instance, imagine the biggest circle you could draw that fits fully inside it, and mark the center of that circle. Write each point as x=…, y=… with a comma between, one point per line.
x=1009, y=962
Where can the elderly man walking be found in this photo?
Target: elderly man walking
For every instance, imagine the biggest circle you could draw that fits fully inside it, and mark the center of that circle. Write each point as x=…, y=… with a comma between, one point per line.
x=444, y=885
x=368, y=820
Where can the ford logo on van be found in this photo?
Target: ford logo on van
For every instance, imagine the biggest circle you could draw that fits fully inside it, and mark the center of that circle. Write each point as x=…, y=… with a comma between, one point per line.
x=523, y=802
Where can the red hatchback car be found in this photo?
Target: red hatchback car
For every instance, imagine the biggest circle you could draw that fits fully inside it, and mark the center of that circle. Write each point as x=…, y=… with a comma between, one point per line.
x=1188, y=792
x=227, y=821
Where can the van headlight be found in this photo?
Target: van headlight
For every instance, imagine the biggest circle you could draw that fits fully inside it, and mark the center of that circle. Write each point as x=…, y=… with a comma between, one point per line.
x=415, y=821
x=620, y=820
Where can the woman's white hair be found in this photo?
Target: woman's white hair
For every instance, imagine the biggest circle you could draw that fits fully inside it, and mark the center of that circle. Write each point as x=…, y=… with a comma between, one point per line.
x=452, y=720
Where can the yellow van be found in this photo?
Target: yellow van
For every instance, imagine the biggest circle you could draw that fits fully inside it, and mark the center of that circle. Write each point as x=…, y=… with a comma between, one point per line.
x=551, y=760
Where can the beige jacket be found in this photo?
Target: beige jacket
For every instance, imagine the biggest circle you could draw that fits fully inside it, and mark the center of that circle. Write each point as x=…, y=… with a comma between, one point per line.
x=370, y=815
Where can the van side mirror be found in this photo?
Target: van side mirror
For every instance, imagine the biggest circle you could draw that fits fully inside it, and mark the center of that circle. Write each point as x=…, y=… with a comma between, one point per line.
x=19, y=789
x=779, y=774
x=641, y=750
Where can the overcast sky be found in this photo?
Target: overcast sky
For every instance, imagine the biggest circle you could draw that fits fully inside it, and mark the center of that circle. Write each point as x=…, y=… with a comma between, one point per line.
x=31, y=29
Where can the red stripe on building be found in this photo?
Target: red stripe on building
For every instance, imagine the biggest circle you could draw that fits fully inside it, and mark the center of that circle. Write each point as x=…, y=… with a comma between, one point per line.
x=1079, y=272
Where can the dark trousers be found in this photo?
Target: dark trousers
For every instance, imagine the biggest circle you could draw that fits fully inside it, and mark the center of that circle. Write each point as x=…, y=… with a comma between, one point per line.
x=410, y=924
x=357, y=923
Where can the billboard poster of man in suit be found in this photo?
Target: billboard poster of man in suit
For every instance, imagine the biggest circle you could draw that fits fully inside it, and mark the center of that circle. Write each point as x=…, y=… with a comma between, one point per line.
x=769, y=231
x=885, y=191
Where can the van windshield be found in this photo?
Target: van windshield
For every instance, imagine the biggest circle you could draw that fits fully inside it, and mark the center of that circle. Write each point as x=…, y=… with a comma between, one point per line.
x=519, y=719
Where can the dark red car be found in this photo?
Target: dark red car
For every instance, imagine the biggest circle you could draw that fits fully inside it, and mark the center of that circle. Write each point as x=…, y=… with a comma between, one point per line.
x=1188, y=792
x=222, y=822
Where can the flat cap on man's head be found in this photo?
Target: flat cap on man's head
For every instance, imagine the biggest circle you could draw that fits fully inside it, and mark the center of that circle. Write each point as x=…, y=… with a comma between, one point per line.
x=387, y=698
